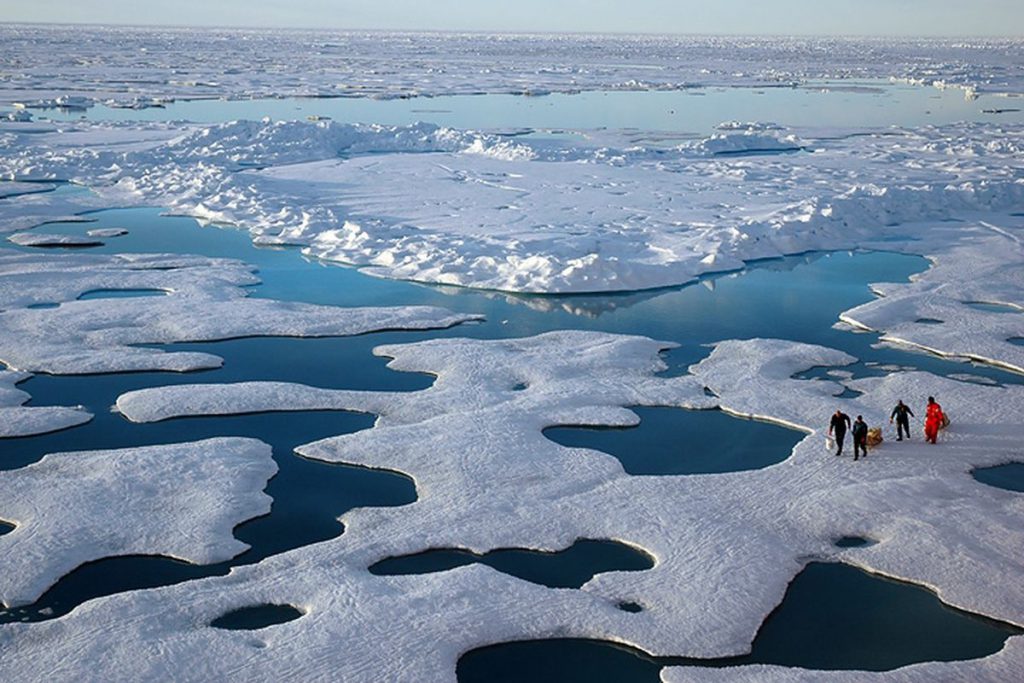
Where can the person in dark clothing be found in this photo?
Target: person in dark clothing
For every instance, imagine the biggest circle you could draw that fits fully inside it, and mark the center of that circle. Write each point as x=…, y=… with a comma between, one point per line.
x=837, y=425
x=860, y=437
x=902, y=414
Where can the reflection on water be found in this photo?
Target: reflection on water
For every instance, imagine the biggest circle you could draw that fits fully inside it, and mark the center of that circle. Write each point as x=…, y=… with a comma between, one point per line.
x=797, y=297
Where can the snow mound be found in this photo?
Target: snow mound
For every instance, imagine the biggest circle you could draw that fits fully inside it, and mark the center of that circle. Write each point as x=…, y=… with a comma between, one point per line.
x=749, y=141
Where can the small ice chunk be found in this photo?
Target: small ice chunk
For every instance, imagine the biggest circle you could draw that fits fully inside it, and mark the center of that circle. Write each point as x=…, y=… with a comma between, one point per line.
x=107, y=232
x=39, y=239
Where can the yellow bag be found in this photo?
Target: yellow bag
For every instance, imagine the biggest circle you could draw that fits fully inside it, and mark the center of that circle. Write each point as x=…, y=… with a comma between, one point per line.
x=874, y=436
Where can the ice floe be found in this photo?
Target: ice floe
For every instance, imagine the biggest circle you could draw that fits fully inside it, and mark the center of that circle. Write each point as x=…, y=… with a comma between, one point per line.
x=178, y=500
x=725, y=546
x=935, y=311
x=471, y=209
x=107, y=232
x=42, y=239
x=205, y=302
x=20, y=420
x=49, y=69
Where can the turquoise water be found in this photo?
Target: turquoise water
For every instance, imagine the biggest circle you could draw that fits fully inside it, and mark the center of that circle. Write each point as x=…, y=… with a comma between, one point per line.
x=693, y=111
x=832, y=617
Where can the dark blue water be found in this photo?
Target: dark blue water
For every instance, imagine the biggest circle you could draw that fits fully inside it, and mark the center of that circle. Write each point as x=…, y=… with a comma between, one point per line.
x=308, y=495
x=569, y=568
x=797, y=298
x=678, y=441
x=833, y=617
x=854, y=542
x=259, y=616
x=1009, y=476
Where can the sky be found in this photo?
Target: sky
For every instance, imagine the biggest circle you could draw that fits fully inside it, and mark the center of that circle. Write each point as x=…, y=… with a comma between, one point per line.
x=773, y=17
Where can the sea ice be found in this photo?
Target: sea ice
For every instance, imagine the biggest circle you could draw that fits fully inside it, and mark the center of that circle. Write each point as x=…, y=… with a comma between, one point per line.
x=205, y=302
x=981, y=262
x=725, y=546
x=470, y=209
x=178, y=500
x=19, y=420
x=107, y=232
x=40, y=239
x=49, y=68
x=998, y=668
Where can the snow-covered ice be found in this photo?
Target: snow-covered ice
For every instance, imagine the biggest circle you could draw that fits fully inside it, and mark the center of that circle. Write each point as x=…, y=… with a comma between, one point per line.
x=107, y=232
x=177, y=500
x=998, y=668
x=42, y=239
x=128, y=67
x=205, y=302
x=472, y=444
x=473, y=209
x=21, y=420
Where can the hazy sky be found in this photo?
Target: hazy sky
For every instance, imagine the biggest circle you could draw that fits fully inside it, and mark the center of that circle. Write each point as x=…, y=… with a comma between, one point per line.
x=864, y=17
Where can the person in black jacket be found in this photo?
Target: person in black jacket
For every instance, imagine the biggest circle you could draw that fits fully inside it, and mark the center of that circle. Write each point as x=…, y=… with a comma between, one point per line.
x=860, y=437
x=902, y=413
x=837, y=425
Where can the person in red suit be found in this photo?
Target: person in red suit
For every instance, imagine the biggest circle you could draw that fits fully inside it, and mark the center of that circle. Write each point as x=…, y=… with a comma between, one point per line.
x=932, y=420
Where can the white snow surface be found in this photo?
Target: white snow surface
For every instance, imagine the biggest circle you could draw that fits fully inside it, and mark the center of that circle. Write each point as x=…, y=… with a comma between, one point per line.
x=725, y=545
x=42, y=239
x=128, y=67
x=206, y=301
x=20, y=420
x=473, y=209
x=107, y=232
x=179, y=500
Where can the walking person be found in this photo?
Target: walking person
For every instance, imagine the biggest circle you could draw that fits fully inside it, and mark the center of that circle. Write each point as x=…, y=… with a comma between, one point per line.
x=860, y=437
x=932, y=420
x=837, y=425
x=902, y=414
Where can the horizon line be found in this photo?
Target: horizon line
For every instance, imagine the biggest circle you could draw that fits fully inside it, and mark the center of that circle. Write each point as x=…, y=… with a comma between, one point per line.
x=484, y=31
